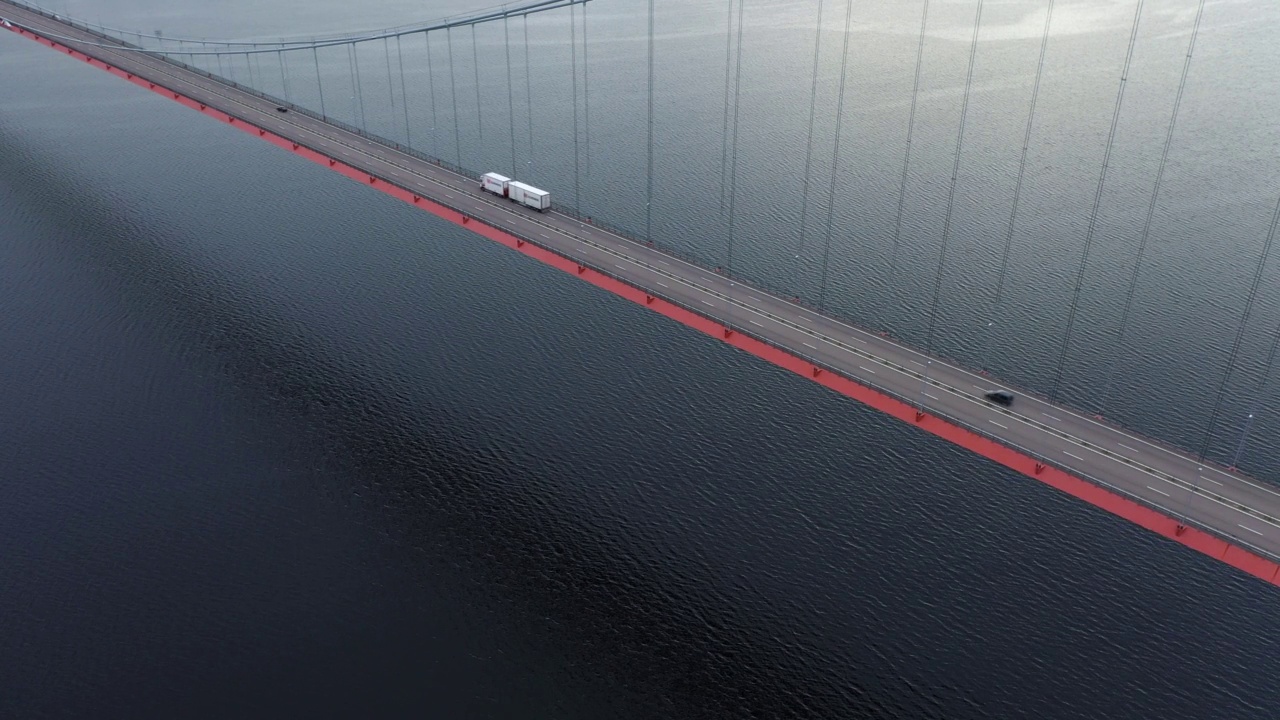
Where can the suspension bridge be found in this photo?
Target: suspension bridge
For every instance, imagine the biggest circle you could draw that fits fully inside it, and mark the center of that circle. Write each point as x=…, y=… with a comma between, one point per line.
x=1180, y=494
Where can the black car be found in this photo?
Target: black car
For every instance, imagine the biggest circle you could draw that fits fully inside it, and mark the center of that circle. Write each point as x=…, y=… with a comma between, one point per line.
x=282, y=109
x=1000, y=397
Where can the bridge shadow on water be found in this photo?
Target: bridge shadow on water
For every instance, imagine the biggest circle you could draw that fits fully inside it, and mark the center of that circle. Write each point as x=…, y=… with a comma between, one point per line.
x=646, y=639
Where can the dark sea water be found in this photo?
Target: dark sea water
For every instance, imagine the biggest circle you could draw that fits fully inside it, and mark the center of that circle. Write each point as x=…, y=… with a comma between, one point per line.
x=274, y=445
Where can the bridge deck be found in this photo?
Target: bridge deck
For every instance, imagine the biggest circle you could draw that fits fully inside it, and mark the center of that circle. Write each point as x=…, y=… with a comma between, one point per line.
x=1243, y=511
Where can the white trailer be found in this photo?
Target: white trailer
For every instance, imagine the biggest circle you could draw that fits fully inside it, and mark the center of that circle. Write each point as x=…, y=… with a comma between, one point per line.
x=494, y=183
x=529, y=195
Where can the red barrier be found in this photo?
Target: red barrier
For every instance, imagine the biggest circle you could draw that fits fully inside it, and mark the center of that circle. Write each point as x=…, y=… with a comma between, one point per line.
x=1123, y=507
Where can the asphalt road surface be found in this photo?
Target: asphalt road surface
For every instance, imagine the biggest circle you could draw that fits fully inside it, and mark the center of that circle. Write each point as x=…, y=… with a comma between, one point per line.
x=1243, y=510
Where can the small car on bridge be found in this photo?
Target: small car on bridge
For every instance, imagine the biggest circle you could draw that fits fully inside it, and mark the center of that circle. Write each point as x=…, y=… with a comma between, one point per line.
x=1000, y=397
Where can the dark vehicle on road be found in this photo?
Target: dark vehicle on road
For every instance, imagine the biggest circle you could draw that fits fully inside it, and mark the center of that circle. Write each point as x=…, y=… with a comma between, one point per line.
x=1000, y=397
x=282, y=109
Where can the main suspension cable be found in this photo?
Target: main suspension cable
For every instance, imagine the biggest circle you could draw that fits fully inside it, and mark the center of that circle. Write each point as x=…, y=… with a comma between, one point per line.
x=263, y=46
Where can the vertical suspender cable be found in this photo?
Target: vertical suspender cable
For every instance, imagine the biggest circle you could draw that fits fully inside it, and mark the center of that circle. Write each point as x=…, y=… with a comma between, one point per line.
x=1244, y=322
x=724, y=132
x=733, y=171
x=1097, y=201
x=835, y=152
x=1017, y=187
x=315, y=55
x=808, y=153
x=648, y=197
x=391, y=91
x=475, y=63
x=284, y=82
x=1151, y=208
x=528, y=89
x=1262, y=391
x=355, y=114
x=284, y=61
x=586, y=92
x=431, y=91
x=355, y=54
x=404, y=96
x=453, y=92
x=955, y=174
x=573, y=45
x=511, y=103
x=249, y=63
x=906, y=161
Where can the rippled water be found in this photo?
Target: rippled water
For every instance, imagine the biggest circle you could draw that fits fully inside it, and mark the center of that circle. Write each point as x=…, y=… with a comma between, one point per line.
x=276, y=444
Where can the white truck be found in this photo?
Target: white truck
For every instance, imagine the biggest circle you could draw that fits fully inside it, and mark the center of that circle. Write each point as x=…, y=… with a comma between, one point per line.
x=529, y=196
x=494, y=183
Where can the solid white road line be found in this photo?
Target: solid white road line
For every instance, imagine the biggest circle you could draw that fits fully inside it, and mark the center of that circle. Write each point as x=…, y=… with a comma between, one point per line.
x=1064, y=452
x=993, y=422
x=1157, y=490
x=815, y=347
x=873, y=372
x=1055, y=419
x=1255, y=532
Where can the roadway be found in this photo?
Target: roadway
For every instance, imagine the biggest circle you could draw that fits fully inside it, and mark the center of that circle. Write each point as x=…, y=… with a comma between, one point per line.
x=1243, y=510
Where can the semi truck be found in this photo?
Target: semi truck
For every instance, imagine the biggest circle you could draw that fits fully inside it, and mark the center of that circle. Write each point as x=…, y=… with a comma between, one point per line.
x=529, y=196
x=516, y=191
x=495, y=183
